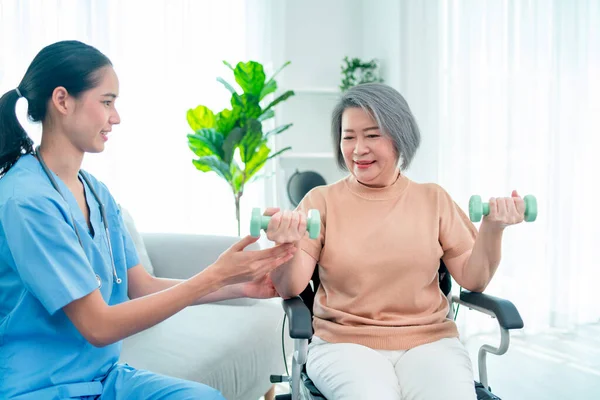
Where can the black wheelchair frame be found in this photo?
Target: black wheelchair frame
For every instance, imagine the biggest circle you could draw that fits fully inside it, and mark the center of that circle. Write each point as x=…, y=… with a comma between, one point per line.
x=298, y=312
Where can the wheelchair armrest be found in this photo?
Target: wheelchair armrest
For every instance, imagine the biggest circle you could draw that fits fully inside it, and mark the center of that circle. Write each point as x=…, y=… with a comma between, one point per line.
x=507, y=314
x=299, y=318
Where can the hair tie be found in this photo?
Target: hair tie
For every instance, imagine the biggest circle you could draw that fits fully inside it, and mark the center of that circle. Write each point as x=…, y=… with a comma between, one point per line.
x=18, y=92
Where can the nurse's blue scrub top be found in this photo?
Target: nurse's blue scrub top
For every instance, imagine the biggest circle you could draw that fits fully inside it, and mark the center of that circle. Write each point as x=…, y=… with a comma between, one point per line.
x=43, y=268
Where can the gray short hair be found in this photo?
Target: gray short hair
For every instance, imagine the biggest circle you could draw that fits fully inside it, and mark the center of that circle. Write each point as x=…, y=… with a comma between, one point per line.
x=389, y=109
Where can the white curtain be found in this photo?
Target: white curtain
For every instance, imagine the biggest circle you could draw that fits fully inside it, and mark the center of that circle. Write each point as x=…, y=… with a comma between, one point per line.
x=508, y=94
x=167, y=55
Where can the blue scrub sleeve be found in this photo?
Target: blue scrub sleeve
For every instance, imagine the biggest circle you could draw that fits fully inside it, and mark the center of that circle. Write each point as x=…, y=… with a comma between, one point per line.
x=46, y=252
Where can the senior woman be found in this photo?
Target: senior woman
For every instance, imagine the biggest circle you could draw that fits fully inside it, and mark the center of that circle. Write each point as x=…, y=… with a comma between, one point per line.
x=380, y=317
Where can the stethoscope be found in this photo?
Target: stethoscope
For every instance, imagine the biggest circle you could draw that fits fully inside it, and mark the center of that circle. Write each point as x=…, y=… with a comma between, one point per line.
x=96, y=197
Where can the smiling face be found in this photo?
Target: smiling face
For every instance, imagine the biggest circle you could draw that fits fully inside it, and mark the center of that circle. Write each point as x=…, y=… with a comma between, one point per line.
x=92, y=115
x=369, y=154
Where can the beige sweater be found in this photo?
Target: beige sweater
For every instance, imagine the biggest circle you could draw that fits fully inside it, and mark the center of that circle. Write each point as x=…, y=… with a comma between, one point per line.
x=378, y=256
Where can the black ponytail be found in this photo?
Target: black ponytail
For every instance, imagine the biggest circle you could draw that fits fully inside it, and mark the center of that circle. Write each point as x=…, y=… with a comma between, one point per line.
x=14, y=141
x=70, y=64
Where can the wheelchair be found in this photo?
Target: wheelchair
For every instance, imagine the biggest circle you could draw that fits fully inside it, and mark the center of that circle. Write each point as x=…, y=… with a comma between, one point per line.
x=298, y=312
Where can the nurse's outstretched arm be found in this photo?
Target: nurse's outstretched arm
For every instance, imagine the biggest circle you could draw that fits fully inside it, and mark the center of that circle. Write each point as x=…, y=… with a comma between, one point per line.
x=141, y=283
x=102, y=324
x=284, y=227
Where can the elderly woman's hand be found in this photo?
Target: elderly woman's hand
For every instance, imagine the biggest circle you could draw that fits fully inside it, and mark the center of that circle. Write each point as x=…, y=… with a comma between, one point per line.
x=505, y=211
x=285, y=226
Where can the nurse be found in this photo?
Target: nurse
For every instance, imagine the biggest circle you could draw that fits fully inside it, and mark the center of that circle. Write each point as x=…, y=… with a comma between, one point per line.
x=71, y=284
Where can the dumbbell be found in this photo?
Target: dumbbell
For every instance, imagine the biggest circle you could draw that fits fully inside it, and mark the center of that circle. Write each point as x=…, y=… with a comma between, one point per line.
x=477, y=209
x=259, y=221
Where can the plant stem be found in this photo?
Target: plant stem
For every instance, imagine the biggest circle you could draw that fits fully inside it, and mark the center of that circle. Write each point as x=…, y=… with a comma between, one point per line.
x=237, y=212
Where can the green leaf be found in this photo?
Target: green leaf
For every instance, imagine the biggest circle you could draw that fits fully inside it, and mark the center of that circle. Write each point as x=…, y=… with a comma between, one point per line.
x=266, y=115
x=237, y=178
x=261, y=176
x=279, y=70
x=257, y=162
x=214, y=164
x=231, y=142
x=279, y=152
x=277, y=131
x=260, y=159
x=201, y=117
x=200, y=151
x=229, y=65
x=254, y=125
x=251, y=107
x=253, y=137
x=270, y=87
x=237, y=102
x=227, y=85
x=227, y=120
x=207, y=140
x=278, y=100
x=247, y=106
x=250, y=76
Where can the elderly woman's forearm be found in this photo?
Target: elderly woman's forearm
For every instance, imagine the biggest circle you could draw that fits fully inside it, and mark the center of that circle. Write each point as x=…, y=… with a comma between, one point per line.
x=485, y=258
x=283, y=280
x=291, y=278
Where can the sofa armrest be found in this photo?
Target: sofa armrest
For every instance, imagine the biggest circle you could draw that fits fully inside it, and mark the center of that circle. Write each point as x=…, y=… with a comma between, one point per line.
x=507, y=314
x=299, y=318
x=181, y=256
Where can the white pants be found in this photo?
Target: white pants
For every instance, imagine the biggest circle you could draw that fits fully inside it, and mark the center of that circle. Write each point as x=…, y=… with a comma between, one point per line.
x=440, y=370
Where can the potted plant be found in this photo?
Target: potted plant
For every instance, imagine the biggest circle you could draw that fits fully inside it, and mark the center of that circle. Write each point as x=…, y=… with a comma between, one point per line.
x=356, y=71
x=231, y=142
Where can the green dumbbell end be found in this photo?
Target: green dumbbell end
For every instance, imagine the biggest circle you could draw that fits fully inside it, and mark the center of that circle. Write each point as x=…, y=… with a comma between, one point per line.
x=313, y=224
x=476, y=208
x=256, y=222
x=264, y=222
x=530, y=208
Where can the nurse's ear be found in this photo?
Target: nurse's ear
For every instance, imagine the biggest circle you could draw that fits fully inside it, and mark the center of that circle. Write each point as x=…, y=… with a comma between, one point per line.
x=62, y=101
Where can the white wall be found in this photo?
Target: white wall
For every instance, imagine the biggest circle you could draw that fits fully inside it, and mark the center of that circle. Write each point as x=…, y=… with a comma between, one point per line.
x=381, y=37
x=408, y=64
x=315, y=36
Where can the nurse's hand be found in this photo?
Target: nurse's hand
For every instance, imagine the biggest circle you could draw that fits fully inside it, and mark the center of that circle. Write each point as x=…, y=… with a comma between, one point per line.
x=237, y=266
x=261, y=288
x=285, y=226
